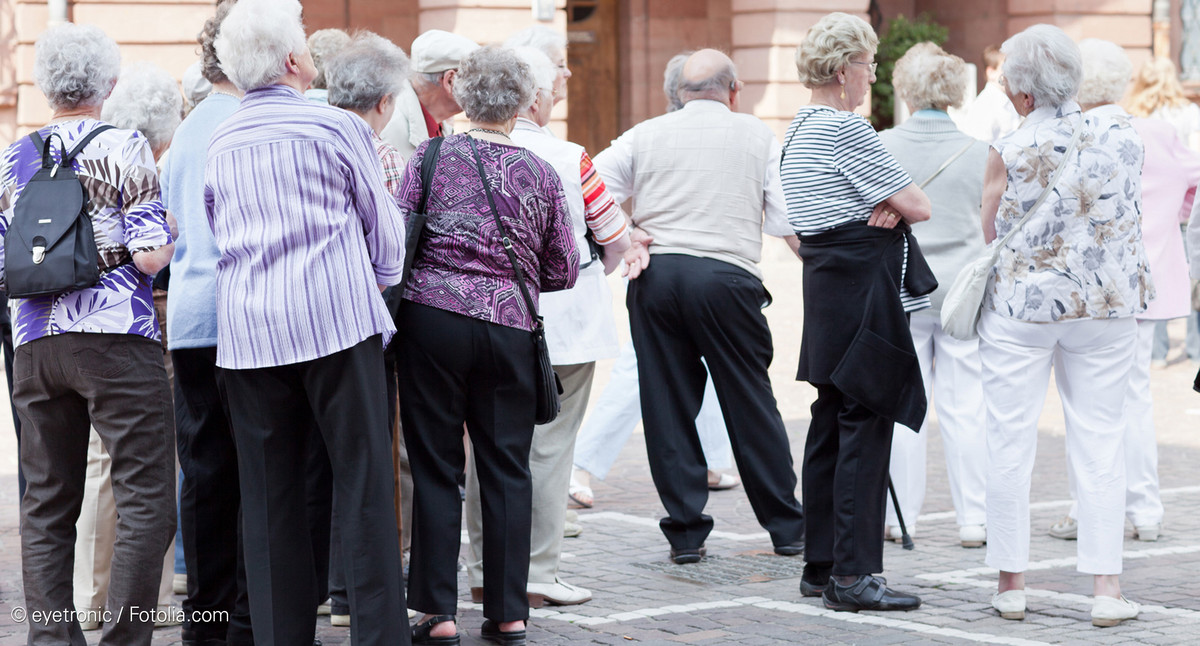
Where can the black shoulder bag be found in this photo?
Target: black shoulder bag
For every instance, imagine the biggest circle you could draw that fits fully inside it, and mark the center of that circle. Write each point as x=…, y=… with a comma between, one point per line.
x=50, y=245
x=414, y=227
x=546, y=384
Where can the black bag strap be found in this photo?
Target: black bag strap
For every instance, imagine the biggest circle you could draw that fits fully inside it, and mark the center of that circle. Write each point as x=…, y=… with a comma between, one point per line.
x=505, y=240
x=68, y=157
x=428, y=165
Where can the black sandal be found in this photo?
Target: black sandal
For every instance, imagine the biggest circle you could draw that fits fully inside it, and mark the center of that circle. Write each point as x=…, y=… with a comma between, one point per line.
x=491, y=632
x=420, y=632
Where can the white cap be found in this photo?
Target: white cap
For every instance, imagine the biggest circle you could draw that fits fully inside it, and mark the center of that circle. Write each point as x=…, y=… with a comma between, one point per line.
x=437, y=51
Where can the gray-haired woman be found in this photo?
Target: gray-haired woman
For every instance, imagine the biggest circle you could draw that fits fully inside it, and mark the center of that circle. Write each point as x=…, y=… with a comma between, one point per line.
x=949, y=165
x=1064, y=293
x=92, y=356
x=466, y=356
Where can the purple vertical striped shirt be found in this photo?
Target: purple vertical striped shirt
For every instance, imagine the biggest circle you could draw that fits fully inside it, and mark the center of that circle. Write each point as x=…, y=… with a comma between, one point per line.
x=306, y=230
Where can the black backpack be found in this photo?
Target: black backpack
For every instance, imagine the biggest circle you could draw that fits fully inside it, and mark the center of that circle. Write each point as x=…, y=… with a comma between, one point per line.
x=50, y=247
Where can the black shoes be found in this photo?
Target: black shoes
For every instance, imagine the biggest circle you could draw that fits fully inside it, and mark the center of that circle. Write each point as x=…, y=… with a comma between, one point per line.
x=688, y=555
x=420, y=632
x=491, y=632
x=791, y=549
x=866, y=593
x=815, y=579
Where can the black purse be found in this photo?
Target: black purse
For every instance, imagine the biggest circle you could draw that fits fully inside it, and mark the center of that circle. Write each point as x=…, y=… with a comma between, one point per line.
x=547, y=384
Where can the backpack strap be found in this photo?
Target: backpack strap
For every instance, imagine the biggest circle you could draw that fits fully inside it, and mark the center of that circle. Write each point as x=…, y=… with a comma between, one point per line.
x=46, y=146
x=87, y=139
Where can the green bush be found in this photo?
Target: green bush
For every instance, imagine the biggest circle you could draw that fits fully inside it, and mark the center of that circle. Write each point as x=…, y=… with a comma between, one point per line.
x=899, y=34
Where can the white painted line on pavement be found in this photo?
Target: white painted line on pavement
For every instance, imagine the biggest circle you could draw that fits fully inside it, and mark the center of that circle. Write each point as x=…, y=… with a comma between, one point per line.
x=888, y=621
x=640, y=521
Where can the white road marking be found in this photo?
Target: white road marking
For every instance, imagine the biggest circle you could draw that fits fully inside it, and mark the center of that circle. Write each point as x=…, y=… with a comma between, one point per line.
x=640, y=521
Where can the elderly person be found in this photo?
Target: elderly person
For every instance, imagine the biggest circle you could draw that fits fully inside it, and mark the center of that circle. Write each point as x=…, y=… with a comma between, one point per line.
x=426, y=103
x=209, y=498
x=324, y=45
x=1170, y=175
x=553, y=44
x=949, y=164
x=93, y=356
x=145, y=99
x=1064, y=293
x=466, y=355
x=301, y=326
x=851, y=203
x=579, y=330
x=990, y=115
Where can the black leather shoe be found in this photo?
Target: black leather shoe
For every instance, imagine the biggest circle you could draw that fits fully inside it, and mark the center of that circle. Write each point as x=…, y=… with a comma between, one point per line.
x=688, y=555
x=491, y=632
x=867, y=593
x=791, y=549
x=420, y=632
x=815, y=579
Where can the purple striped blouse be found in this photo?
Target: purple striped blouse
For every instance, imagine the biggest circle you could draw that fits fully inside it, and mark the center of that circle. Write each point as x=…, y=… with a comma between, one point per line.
x=295, y=197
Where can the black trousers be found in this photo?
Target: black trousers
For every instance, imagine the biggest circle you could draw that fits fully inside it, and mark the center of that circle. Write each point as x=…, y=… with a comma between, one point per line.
x=455, y=369
x=845, y=483
x=209, y=503
x=271, y=408
x=683, y=308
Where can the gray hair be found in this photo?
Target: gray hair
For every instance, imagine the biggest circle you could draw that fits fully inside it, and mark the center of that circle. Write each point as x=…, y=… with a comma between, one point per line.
x=1044, y=63
x=75, y=65
x=548, y=41
x=364, y=72
x=829, y=45
x=1106, y=72
x=324, y=45
x=671, y=76
x=255, y=40
x=492, y=85
x=928, y=77
x=714, y=87
x=210, y=65
x=541, y=70
x=145, y=99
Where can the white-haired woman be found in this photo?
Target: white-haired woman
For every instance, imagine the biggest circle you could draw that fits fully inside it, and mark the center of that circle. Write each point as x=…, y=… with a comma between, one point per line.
x=466, y=356
x=1171, y=171
x=851, y=204
x=579, y=331
x=92, y=356
x=949, y=165
x=553, y=44
x=307, y=234
x=1064, y=293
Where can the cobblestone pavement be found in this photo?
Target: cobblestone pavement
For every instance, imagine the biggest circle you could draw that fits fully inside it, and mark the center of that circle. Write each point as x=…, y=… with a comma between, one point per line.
x=744, y=594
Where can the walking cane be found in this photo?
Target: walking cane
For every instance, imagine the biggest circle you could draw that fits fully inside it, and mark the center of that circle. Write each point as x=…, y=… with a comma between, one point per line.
x=906, y=541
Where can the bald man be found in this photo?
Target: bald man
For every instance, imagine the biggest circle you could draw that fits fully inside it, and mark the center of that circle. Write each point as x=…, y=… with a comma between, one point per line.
x=706, y=179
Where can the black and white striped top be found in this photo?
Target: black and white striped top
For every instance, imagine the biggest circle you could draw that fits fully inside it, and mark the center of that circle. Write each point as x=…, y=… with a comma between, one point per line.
x=834, y=171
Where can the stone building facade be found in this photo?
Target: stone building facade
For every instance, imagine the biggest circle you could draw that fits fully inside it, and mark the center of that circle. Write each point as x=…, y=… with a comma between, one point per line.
x=618, y=47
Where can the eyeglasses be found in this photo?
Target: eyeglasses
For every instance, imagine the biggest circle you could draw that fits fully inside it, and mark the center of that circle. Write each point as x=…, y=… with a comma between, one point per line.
x=872, y=65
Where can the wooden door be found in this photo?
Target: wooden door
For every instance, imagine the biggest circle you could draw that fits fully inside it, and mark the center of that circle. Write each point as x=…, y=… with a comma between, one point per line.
x=594, y=88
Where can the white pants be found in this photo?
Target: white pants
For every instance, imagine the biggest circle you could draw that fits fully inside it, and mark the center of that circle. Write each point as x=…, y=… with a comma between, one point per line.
x=1092, y=359
x=951, y=372
x=96, y=532
x=1143, y=504
x=619, y=409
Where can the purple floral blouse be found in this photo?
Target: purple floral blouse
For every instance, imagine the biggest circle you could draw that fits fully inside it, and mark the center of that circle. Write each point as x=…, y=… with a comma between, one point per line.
x=460, y=264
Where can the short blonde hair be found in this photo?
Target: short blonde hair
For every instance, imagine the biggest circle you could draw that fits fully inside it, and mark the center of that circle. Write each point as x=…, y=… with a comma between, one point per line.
x=929, y=77
x=830, y=44
x=1156, y=85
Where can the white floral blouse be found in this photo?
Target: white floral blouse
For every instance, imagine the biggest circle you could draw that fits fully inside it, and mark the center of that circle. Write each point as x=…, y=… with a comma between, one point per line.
x=1080, y=256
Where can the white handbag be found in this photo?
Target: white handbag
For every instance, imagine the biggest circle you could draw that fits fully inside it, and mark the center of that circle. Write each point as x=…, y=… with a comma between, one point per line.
x=964, y=300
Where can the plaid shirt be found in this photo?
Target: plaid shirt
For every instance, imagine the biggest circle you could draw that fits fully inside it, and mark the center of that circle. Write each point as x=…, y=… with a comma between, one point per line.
x=393, y=165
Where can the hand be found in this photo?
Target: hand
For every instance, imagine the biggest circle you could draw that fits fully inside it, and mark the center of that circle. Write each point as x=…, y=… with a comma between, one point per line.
x=884, y=216
x=173, y=225
x=637, y=256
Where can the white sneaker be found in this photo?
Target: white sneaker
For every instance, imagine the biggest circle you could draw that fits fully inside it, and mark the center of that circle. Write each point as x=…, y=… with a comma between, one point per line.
x=339, y=620
x=571, y=530
x=892, y=533
x=169, y=615
x=1010, y=605
x=179, y=584
x=1147, y=532
x=1110, y=611
x=1066, y=528
x=556, y=594
x=972, y=535
x=323, y=609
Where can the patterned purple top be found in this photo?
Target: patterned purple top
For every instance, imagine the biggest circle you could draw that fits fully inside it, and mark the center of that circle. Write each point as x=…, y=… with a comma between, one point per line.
x=295, y=196
x=117, y=169
x=460, y=265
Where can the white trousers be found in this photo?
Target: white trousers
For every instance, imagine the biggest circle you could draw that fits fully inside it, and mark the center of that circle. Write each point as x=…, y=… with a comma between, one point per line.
x=96, y=532
x=619, y=409
x=1143, y=504
x=1091, y=360
x=951, y=372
